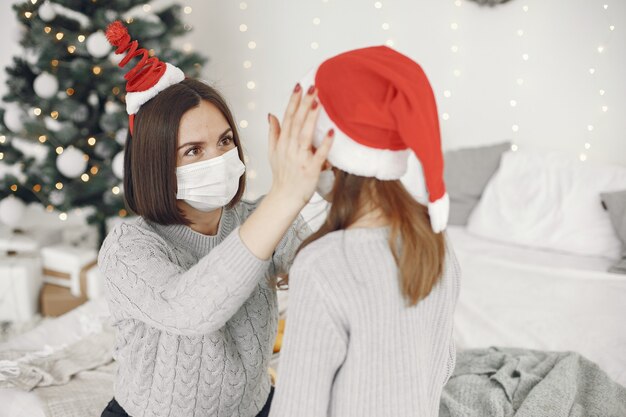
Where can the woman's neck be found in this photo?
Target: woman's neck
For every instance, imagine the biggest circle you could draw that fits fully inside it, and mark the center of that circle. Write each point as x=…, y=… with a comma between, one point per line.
x=206, y=223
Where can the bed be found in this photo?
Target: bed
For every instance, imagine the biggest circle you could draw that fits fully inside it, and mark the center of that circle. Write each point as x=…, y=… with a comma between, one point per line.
x=511, y=296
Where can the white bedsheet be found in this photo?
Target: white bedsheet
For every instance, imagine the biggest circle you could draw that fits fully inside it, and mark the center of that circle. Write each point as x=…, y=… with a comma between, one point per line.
x=520, y=297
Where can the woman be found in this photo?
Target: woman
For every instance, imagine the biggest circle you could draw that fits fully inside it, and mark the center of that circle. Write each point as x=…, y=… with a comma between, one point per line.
x=373, y=291
x=190, y=283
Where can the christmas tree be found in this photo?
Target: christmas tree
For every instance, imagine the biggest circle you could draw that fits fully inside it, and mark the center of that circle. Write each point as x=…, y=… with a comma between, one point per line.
x=63, y=122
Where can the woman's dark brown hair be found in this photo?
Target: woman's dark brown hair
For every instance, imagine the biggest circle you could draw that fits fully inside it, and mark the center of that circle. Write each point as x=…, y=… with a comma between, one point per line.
x=150, y=154
x=418, y=251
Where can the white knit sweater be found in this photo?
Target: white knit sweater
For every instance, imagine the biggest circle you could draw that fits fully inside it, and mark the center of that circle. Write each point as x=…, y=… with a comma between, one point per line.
x=352, y=347
x=195, y=316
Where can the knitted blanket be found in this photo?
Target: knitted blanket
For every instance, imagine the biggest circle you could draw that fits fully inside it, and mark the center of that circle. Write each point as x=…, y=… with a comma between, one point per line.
x=70, y=381
x=504, y=382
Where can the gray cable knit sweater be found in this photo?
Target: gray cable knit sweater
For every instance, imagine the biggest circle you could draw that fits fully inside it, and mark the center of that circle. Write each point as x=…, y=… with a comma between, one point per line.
x=352, y=347
x=195, y=316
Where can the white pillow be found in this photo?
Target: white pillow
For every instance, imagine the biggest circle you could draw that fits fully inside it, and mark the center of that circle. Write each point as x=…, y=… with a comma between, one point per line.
x=549, y=201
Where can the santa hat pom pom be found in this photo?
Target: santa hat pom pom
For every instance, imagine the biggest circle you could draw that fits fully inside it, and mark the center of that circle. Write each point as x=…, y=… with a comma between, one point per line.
x=116, y=32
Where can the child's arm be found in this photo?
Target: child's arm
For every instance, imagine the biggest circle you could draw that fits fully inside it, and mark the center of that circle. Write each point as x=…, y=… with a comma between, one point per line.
x=314, y=348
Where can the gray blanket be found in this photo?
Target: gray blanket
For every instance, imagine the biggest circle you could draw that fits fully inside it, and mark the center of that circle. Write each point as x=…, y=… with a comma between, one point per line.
x=503, y=382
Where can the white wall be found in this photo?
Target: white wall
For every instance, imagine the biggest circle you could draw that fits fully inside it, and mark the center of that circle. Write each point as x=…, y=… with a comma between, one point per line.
x=556, y=103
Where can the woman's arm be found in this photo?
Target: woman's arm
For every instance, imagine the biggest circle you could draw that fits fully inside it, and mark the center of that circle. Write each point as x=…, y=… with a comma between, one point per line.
x=295, y=172
x=314, y=348
x=143, y=282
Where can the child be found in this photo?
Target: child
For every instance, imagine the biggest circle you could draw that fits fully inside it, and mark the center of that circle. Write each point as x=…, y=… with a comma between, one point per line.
x=373, y=292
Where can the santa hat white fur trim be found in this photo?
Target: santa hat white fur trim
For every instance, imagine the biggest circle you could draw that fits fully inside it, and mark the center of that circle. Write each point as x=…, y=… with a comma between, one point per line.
x=172, y=75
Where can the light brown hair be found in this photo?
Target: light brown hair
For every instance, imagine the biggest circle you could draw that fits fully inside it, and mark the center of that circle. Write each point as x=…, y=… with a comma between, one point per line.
x=417, y=250
x=150, y=154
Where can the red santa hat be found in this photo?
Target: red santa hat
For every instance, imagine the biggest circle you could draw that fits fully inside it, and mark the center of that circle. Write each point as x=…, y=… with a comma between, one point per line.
x=382, y=107
x=147, y=78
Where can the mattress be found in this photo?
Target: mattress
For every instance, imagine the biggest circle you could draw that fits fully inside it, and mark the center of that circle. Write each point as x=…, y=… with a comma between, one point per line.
x=514, y=296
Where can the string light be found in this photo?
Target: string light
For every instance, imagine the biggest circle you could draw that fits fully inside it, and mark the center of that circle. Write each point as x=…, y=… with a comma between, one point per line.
x=314, y=45
x=3, y=139
x=28, y=15
x=59, y=150
x=243, y=124
x=71, y=49
x=54, y=62
x=91, y=141
x=69, y=91
x=115, y=190
x=63, y=216
x=59, y=36
x=243, y=5
x=37, y=188
x=54, y=114
x=47, y=29
x=146, y=8
x=81, y=38
x=96, y=70
x=94, y=170
x=37, y=111
x=252, y=45
x=251, y=85
x=243, y=27
x=58, y=185
x=42, y=138
x=14, y=187
x=247, y=64
x=187, y=10
x=1, y=156
x=84, y=177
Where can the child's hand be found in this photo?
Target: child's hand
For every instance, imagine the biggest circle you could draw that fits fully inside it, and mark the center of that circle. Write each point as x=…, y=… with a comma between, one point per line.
x=295, y=165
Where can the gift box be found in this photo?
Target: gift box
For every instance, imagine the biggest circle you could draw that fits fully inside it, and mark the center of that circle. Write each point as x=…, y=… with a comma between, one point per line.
x=28, y=240
x=20, y=282
x=67, y=266
x=56, y=300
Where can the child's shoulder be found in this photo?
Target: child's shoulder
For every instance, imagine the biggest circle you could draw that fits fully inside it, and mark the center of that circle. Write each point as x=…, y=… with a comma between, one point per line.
x=316, y=252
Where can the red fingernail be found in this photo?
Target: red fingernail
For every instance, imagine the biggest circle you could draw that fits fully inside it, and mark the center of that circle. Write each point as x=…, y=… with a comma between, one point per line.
x=297, y=88
x=311, y=90
x=331, y=133
x=314, y=105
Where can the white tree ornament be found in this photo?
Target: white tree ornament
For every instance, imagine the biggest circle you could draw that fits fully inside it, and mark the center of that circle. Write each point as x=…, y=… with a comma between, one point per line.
x=71, y=162
x=46, y=12
x=13, y=118
x=12, y=211
x=97, y=45
x=46, y=85
x=118, y=165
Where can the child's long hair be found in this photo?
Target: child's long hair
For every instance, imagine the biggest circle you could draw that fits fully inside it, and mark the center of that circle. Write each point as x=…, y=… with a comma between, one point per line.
x=417, y=250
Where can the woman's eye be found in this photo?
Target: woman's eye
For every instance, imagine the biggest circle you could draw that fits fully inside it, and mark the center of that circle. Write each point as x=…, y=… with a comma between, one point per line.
x=226, y=141
x=193, y=151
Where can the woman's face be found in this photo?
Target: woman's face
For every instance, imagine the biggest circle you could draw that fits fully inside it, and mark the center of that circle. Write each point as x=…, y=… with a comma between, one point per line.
x=204, y=133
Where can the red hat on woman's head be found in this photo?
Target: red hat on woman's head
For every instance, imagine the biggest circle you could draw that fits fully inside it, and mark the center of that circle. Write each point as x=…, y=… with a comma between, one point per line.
x=381, y=106
x=146, y=79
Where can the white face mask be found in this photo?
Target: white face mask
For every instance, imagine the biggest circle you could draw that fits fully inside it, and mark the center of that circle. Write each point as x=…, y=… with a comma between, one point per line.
x=325, y=183
x=211, y=184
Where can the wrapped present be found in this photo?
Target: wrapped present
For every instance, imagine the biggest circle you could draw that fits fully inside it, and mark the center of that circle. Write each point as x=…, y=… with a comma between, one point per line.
x=81, y=236
x=67, y=266
x=20, y=282
x=56, y=300
x=29, y=240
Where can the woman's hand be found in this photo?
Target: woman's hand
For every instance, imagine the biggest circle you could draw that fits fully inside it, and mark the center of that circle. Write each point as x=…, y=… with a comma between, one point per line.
x=295, y=168
x=295, y=165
